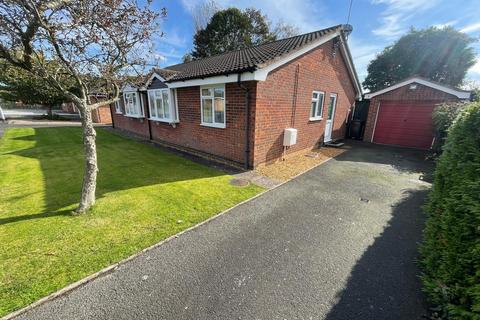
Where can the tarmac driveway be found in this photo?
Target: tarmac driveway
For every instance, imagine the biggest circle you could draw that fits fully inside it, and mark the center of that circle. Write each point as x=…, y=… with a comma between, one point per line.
x=338, y=242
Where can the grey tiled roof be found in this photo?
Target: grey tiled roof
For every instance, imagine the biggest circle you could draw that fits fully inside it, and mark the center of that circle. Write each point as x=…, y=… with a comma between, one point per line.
x=243, y=60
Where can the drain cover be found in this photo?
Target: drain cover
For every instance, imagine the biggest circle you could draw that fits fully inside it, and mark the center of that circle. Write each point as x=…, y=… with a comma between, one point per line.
x=239, y=182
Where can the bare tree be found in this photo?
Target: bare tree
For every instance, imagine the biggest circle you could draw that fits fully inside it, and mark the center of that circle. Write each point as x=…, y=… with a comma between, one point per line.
x=95, y=42
x=283, y=30
x=203, y=12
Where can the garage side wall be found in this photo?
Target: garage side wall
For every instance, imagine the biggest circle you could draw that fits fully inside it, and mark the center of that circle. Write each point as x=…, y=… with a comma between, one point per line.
x=403, y=94
x=284, y=100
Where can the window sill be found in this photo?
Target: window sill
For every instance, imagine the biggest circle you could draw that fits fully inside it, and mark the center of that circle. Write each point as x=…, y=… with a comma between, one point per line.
x=116, y=112
x=213, y=125
x=315, y=119
x=164, y=120
x=134, y=116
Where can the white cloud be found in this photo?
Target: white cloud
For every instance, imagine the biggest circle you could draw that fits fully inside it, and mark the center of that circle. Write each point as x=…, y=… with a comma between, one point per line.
x=476, y=67
x=474, y=72
x=307, y=15
x=471, y=28
x=173, y=38
x=446, y=24
x=394, y=19
x=362, y=55
x=190, y=5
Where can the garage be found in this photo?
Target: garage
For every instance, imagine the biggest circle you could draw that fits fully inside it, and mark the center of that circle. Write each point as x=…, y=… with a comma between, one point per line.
x=401, y=114
x=407, y=124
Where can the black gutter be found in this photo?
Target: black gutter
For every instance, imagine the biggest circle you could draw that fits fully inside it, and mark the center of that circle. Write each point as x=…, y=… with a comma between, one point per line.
x=247, y=121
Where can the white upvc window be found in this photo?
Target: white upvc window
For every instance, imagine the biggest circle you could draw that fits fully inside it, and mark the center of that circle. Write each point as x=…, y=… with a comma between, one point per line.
x=316, y=113
x=118, y=107
x=133, y=105
x=161, y=105
x=213, y=106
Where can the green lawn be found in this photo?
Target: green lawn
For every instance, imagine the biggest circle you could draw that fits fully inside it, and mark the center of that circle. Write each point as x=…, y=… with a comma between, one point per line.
x=142, y=194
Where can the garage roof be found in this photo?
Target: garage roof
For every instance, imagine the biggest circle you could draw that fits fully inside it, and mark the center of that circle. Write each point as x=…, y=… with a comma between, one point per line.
x=461, y=94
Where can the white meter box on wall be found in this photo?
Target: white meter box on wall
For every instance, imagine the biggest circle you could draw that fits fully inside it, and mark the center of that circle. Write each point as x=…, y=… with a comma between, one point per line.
x=289, y=137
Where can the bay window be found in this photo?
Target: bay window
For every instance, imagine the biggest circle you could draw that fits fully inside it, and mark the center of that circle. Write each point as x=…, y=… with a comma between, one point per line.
x=213, y=106
x=133, y=105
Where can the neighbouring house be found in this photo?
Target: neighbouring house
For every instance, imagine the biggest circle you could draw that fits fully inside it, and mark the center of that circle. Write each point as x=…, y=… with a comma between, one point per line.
x=401, y=114
x=101, y=114
x=252, y=106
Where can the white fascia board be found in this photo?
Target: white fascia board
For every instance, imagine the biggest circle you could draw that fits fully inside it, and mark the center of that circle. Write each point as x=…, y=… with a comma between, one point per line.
x=246, y=76
x=129, y=88
x=457, y=93
x=154, y=75
x=351, y=68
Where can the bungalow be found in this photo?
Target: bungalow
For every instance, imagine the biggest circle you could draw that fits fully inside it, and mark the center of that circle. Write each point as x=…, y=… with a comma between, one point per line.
x=252, y=106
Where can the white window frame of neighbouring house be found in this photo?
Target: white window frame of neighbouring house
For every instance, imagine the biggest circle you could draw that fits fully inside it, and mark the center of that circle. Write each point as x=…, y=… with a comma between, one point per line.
x=216, y=115
x=118, y=107
x=318, y=100
x=133, y=104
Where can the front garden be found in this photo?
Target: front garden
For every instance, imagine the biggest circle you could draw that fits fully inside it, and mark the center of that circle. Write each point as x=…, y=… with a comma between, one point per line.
x=144, y=195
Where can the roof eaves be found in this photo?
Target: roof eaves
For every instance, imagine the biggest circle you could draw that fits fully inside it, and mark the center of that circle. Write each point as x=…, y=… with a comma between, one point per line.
x=356, y=79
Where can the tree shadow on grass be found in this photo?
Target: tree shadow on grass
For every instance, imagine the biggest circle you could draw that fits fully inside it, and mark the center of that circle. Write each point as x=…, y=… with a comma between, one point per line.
x=123, y=164
x=384, y=284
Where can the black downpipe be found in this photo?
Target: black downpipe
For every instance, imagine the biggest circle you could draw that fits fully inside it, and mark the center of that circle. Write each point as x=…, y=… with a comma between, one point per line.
x=147, y=113
x=111, y=114
x=247, y=121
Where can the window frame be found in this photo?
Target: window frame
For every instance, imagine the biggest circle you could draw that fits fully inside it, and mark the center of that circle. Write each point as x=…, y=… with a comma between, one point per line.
x=138, y=104
x=214, y=124
x=317, y=117
x=118, y=107
x=172, y=113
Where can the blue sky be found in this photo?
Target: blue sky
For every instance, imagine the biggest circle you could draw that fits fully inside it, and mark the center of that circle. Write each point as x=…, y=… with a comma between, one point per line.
x=376, y=23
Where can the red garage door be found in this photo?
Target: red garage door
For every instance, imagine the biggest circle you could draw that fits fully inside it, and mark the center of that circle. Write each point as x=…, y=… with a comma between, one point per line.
x=407, y=124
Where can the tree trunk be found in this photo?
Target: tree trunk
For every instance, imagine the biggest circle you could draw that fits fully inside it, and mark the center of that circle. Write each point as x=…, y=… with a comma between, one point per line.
x=90, y=176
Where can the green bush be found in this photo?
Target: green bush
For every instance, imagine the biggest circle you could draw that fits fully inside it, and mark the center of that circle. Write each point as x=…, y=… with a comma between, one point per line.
x=450, y=252
x=443, y=117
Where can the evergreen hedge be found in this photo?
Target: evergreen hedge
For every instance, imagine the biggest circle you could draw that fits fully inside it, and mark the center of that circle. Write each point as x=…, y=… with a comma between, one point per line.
x=450, y=252
x=443, y=117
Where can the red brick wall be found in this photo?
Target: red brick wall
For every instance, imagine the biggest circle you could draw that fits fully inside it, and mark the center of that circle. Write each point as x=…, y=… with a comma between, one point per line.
x=102, y=115
x=271, y=109
x=317, y=70
x=227, y=143
x=99, y=115
x=404, y=93
x=68, y=107
x=134, y=125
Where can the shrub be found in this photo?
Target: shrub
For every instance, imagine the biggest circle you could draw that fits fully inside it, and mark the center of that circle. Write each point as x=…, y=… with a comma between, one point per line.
x=450, y=252
x=443, y=117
